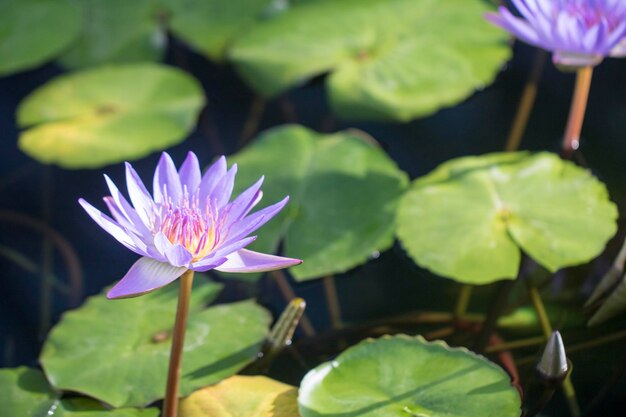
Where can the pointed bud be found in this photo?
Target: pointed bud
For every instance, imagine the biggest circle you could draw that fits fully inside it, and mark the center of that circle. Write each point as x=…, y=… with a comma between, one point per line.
x=282, y=332
x=553, y=365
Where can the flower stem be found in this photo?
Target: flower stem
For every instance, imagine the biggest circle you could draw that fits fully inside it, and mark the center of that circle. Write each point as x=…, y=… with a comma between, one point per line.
x=582, y=346
x=332, y=301
x=546, y=327
x=251, y=125
x=526, y=103
x=289, y=294
x=465, y=294
x=516, y=344
x=571, y=140
x=497, y=307
x=170, y=404
x=47, y=257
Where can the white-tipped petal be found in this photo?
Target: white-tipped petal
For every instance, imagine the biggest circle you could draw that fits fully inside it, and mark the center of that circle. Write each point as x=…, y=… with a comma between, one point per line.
x=246, y=261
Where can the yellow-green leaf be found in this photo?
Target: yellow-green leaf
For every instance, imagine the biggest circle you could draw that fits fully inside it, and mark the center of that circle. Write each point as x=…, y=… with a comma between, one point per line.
x=109, y=114
x=242, y=396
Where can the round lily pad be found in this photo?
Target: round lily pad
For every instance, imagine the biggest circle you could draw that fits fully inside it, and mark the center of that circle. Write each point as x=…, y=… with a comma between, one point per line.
x=34, y=31
x=210, y=25
x=118, y=31
x=343, y=194
x=122, y=31
x=387, y=59
x=117, y=351
x=242, y=396
x=105, y=115
x=471, y=218
x=25, y=392
x=405, y=376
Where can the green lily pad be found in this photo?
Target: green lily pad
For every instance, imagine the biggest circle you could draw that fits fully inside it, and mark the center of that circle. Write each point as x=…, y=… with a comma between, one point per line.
x=524, y=320
x=25, y=392
x=210, y=25
x=242, y=396
x=388, y=59
x=121, y=31
x=118, y=31
x=343, y=195
x=34, y=31
x=405, y=376
x=110, y=114
x=117, y=351
x=471, y=217
x=84, y=407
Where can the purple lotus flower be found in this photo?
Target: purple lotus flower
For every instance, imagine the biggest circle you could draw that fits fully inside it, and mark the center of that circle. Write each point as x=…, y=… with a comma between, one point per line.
x=578, y=32
x=188, y=223
x=619, y=51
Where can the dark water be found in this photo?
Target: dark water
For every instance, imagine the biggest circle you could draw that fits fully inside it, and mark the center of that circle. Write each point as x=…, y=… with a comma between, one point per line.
x=389, y=285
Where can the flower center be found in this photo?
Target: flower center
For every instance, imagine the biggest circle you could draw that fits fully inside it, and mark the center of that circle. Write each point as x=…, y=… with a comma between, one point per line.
x=592, y=14
x=188, y=224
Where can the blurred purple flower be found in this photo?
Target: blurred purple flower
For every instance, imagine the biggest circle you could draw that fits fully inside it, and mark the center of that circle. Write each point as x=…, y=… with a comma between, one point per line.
x=188, y=223
x=578, y=32
x=619, y=51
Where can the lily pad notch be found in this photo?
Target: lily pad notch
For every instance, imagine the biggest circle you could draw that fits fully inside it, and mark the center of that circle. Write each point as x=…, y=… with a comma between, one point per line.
x=471, y=218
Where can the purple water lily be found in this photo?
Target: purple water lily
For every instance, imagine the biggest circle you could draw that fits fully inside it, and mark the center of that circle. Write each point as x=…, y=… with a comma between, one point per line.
x=188, y=223
x=578, y=32
x=619, y=51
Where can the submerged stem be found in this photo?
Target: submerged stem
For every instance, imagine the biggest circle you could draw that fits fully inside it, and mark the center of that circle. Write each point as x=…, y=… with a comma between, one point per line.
x=332, y=301
x=170, y=404
x=497, y=307
x=526, y=103
x=289, y=294
x=571, y=140
x=47, y=257
x=462, y=302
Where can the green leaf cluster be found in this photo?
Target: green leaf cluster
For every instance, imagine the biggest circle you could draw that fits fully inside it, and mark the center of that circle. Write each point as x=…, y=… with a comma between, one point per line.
x=116, y=352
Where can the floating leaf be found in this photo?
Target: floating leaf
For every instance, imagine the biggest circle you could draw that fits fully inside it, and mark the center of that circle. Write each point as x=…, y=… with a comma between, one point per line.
x=34, y=31
x=405, y=376
x=343, y=194
x=242, y=396
x=471, y=217
x=122, y=31
x=210, y=25
x=83, y=407
x=524, y=320
x=105, y=115
x=117, y=351
x=388, y=59
x=118, y=31
x=25, y=392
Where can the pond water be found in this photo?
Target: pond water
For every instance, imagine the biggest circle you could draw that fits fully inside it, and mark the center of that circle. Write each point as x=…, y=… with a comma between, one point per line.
x=384, y=287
